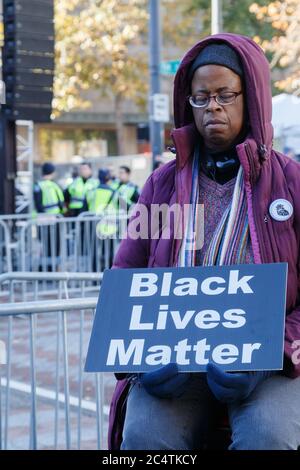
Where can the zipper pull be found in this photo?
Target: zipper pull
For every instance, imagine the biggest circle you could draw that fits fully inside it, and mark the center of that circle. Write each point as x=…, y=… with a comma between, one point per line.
x=172, y=149
x=266, y=218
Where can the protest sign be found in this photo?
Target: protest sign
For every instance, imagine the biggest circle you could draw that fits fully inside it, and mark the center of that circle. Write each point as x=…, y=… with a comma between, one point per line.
x=232, y=316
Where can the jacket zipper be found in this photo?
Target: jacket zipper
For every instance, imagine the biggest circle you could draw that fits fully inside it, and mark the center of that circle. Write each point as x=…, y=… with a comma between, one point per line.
x=173, y=251
x=250, y=161
x=256, y=222
x=176, y=201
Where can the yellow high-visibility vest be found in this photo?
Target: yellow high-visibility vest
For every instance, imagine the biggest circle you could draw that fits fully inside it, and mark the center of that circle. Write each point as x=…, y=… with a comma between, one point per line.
x=52, y=197
x=79, y=189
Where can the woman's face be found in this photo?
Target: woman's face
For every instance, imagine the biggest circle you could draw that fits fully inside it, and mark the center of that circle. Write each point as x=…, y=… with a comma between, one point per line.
x=219, y=125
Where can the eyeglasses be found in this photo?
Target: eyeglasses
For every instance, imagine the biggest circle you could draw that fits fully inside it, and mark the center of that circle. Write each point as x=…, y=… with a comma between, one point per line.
x=202, y=100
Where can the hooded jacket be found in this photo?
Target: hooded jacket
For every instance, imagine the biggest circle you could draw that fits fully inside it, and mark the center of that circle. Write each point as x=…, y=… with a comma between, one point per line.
x=268, y=175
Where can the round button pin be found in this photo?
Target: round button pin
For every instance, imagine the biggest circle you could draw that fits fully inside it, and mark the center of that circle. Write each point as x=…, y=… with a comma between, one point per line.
x=281, y=210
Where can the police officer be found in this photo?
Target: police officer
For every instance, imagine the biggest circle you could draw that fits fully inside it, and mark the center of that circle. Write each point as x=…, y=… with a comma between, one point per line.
x=76, y=192
x=48, y=199
x=101, y=201
x=48, y=196
x=113, y=180
x=100, y=198
x=127, y=193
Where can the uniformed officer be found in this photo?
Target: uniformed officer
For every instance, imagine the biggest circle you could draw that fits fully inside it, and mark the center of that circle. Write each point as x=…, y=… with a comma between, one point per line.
x=48, y=196
x=113, y=181
x=101, y=201
x=48, y=199
x=76, y=192
x=100, y=198
x=127, y=193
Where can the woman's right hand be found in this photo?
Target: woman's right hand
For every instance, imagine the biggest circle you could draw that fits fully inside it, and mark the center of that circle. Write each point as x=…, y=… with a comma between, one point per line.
x=165, y=382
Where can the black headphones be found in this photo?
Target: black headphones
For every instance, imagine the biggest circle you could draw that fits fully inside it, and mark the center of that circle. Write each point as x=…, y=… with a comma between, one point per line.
x=223, y=166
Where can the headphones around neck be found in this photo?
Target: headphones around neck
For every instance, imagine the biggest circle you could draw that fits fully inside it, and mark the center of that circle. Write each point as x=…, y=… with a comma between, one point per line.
x=223, y=166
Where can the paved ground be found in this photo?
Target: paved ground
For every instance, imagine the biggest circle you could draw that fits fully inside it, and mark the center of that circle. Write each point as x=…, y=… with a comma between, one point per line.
x=45, y=368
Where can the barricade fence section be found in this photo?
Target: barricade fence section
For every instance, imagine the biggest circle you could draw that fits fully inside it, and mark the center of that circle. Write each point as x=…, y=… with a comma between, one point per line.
x=52, y=271
x=55, y=243
x=47, y=401
x=10, y=228
x=27, y=286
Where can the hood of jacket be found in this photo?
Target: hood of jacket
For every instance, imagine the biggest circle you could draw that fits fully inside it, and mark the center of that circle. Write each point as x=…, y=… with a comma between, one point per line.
x=257, y=89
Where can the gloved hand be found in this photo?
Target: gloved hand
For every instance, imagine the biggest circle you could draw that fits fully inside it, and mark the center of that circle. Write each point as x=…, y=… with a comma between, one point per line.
x=229, y=387
x=165, y=382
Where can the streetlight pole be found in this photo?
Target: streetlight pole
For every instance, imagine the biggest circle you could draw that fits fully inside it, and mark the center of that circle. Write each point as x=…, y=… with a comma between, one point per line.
x=216, y=16
x=154, y=66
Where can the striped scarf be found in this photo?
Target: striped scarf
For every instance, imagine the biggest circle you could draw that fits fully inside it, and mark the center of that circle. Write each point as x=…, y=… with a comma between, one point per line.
x=229, y=242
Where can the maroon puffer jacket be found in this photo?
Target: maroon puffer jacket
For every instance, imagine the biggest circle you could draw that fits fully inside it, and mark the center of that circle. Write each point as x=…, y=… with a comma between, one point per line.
x=268, y=176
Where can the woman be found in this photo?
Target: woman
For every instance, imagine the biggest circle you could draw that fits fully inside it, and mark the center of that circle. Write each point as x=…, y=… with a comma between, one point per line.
x=224, y=160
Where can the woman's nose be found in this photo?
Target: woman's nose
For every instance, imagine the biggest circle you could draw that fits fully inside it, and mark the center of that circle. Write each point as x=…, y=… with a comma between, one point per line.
x=212, y=104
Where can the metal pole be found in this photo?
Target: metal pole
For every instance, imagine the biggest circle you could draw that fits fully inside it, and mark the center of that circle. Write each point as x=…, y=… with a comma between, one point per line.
x=33, y=416
x=24, y=139
x=7, y=166
x=154, y=63
x=216, y=16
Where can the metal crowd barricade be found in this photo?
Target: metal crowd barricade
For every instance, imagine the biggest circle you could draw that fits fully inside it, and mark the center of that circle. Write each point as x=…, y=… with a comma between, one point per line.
x=50, y=244
x=94, y=252
x=27, y=286
x=46, y=342
x=5, y=248
x=10, y=227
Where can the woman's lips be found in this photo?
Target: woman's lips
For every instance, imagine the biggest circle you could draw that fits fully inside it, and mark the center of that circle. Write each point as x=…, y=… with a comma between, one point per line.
x=215, y=125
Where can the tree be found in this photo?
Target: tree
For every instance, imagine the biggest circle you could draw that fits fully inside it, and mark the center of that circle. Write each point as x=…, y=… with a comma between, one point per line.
x=236, y=15
x=284, y=16
x=103, y=45
x=274, y=25
x=99, y=47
